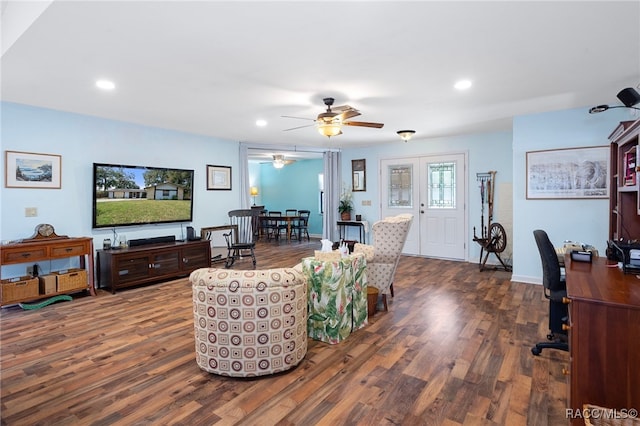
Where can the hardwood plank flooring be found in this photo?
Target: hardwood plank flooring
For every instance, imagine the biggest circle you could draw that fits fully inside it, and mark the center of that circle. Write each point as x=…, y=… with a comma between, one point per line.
x=453, y=349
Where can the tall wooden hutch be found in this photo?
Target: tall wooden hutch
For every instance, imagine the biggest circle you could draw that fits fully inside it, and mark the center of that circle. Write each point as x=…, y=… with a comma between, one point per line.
x=624, y=220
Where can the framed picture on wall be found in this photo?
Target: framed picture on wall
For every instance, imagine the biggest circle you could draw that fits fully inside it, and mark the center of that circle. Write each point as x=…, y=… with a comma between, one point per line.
x=32, y=170
x=218, y=178
x=358, y=175
x=568, y=173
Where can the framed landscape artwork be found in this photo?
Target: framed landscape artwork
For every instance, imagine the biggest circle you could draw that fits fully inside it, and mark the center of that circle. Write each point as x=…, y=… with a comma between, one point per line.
x=568, y=173
x=32, y=170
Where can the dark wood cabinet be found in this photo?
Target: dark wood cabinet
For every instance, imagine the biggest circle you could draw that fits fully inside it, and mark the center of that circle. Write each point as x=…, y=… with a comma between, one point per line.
x=624, y=202
x=150, y=263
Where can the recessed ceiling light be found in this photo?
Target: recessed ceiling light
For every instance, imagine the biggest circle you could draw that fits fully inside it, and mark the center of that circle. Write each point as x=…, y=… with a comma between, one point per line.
x=462, y=84
x=105, y=84
x=261, y=123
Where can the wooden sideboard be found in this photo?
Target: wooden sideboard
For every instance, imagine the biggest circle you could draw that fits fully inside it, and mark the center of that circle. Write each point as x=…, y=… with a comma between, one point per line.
x=50, y=249
x=133, y=266
x=604, y=336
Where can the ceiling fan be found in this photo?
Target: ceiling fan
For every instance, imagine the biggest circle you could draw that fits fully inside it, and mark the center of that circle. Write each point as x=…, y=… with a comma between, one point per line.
x=330, y=122
x=279, y=161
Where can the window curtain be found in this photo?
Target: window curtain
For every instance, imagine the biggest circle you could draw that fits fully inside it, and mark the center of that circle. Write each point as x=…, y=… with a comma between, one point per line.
x=245, y=201
x=332, y=188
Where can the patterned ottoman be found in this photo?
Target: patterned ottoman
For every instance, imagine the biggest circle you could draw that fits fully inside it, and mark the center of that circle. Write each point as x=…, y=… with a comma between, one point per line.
x=337, y=296
x=249, y=323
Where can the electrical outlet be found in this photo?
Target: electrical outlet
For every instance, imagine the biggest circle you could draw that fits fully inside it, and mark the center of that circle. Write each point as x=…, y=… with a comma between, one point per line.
x=31, y=211
x=30, y=270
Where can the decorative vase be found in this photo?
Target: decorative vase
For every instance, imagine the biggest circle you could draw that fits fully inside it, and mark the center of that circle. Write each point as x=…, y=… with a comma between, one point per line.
x=345, y=215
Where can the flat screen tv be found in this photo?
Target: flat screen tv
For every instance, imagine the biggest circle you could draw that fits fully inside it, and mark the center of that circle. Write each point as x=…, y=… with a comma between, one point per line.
x=138, y=195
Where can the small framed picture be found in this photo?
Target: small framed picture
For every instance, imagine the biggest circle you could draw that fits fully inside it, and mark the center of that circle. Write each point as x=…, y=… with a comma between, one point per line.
x=218, y=178
x=358, y=175
x=32, y=170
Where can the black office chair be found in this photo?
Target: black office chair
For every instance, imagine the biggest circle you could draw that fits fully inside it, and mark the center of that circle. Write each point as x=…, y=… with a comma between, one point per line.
x=555, y=289
x=242, y=241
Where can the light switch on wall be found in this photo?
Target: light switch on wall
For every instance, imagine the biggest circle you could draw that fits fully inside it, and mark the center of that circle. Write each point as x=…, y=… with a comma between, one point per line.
x=31, y=211
x=366, y=202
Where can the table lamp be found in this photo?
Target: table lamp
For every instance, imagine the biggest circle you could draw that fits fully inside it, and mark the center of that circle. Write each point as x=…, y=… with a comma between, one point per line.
x=253, y=191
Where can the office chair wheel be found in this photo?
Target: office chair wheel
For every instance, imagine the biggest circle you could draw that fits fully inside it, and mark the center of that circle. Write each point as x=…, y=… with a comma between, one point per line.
x=536, y=351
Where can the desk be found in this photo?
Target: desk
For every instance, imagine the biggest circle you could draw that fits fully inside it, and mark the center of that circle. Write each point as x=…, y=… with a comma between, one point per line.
x=361, y=225
x=337, y=292
x=604, y=336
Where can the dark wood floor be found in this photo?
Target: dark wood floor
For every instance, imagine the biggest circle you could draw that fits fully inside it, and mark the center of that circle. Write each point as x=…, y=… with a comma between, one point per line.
x=454, y=348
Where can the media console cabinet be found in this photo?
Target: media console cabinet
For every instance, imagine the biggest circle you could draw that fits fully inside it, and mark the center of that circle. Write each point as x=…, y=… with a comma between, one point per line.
x=128, y=267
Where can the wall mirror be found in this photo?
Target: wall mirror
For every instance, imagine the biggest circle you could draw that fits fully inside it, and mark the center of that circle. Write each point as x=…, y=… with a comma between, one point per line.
x=358, y=175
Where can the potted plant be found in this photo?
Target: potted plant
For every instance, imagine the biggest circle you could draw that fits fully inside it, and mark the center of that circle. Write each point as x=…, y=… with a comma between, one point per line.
x=346, y=205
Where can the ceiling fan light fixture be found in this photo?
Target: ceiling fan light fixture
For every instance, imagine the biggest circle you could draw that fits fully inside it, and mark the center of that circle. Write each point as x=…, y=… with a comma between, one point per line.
x=597, y=109
x=406, y=134
x=278, y=161
x=329, y=129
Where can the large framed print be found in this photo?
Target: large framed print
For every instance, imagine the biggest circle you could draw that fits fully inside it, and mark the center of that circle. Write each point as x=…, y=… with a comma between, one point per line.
x=218, y=178
x=568, y=173
x=33, y=170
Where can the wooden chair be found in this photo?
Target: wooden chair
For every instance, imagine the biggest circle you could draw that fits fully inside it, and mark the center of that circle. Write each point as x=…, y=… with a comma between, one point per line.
x=303, y=225
x=272, y=224
x=243, y=240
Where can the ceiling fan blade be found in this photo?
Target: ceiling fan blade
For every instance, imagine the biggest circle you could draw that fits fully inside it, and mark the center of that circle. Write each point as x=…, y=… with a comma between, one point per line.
x=342, y=108
x=363, y=124
x=297, y=118
x=349, y=114
x=299, y=127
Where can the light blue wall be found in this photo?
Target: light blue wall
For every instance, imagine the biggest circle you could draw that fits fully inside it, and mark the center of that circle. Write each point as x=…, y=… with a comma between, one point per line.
x=488, y=151
x=81, y=141
x=295, y=186
x=585, y=221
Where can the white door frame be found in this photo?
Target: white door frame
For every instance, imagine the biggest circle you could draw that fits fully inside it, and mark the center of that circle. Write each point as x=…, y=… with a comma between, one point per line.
x=413, y=244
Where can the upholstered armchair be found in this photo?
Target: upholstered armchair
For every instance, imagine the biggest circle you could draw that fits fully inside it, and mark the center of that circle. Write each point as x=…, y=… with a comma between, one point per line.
x=389, y=236
x=249, y=323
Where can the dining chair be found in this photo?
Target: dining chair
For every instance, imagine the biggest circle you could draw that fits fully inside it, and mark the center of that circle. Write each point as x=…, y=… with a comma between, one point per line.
x=271, y=224
x=289, y=224
x=302, y=225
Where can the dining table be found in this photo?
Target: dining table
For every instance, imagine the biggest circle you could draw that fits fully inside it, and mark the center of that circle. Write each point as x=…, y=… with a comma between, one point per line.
x=289, y=220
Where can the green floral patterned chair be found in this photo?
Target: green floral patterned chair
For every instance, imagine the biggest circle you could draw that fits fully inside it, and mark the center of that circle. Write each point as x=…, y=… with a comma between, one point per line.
x=389, y=236
x=337, y=296
x=249, y=323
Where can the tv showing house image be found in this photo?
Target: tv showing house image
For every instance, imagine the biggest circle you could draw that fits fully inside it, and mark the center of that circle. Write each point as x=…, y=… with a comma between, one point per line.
x=136, y=195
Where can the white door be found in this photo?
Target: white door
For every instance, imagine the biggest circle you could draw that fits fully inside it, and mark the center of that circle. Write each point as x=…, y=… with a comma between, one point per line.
x=399, y=190
x=433, y=189
x=442, y=207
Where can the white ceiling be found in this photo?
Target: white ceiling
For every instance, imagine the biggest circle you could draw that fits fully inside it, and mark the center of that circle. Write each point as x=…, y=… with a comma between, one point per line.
x=214, y=68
